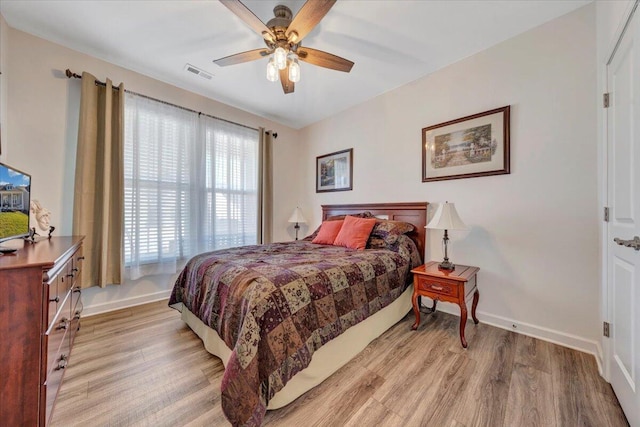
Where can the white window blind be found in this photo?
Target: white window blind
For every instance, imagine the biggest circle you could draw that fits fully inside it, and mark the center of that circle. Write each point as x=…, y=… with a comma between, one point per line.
x=190, y=185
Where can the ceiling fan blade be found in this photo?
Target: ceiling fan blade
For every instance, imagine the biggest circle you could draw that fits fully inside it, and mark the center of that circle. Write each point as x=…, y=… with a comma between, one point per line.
x=287, y=85
x=239, y=58
x=243, y=12
x=307, y=18
x=324, y=59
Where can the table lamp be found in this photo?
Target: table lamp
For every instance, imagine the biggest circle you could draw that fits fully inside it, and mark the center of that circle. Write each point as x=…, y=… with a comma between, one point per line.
x=297, y=217
x=446, y=218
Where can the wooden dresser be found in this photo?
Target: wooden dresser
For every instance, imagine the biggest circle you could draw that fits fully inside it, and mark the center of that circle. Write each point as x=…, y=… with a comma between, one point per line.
x=39, y=315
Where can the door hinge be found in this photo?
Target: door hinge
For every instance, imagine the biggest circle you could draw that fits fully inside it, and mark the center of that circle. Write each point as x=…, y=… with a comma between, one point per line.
x=606, y=214
x=605, y=100
x=605, y=329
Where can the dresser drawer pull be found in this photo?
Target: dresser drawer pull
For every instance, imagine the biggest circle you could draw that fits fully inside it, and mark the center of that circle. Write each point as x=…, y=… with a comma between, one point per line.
x=62, y=363
x=75, y=270
x=80, y=258
x=56, y=299
x=437, y=288
x=64, y=324
x=77, y=290
x=76, y=316
x=70, y=275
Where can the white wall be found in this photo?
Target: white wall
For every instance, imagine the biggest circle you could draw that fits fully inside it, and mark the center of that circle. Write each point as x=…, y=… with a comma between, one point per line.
x=533, y=233
x=41, y=114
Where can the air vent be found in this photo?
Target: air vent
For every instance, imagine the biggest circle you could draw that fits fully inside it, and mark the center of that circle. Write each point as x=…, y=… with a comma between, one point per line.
x=198, y=72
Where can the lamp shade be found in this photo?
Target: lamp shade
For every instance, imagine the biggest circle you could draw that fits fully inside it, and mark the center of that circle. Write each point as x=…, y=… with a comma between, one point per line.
x=280, y=58
x=294, y=70
x=446, y=218
x=272, y=71
x=297, y=216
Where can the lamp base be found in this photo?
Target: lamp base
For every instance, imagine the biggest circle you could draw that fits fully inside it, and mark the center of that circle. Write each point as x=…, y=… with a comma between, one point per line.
x=446, y=265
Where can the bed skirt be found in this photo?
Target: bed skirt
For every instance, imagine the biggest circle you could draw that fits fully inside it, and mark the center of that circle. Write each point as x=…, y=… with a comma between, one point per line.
x=326, y=360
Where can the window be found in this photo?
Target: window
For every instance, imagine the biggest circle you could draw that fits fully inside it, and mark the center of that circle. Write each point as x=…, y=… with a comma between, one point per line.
x=191, y=185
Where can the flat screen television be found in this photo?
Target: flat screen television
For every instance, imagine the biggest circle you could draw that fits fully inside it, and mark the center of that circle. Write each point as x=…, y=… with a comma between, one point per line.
x=15, y=201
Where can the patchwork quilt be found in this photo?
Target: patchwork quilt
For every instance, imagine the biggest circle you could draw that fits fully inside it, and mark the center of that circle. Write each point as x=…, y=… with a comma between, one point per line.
x=274, y=305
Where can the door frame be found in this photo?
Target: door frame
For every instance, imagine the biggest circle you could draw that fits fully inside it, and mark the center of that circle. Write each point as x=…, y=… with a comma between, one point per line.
x=605, y=351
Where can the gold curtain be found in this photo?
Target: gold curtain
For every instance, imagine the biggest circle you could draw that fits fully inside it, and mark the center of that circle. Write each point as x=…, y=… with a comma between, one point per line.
x=265, y=192
x=99, y=182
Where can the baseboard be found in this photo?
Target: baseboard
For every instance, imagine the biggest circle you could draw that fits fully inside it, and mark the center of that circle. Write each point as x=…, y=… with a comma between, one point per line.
x=556, y=337
x=92, y=310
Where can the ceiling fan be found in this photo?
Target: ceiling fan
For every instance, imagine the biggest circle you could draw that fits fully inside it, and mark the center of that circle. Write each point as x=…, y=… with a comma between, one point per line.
x=283, y=36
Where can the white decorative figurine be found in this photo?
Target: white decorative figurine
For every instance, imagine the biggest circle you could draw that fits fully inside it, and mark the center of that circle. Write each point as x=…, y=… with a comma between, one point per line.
x=42, y=217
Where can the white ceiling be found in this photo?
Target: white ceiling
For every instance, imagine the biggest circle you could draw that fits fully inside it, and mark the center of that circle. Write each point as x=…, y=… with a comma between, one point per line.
x=391, y=43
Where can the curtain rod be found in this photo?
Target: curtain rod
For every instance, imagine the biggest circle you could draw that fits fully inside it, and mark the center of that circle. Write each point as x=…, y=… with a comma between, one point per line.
x=70, y=74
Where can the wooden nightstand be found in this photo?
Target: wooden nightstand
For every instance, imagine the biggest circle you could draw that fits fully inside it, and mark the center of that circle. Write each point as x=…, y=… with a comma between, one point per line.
x=446, y=285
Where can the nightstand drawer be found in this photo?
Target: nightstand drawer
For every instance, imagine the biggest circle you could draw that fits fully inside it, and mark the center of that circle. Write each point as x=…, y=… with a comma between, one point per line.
x=427, y=285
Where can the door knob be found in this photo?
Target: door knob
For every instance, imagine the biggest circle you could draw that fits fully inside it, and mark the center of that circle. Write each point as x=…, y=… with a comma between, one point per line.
x=633, y=243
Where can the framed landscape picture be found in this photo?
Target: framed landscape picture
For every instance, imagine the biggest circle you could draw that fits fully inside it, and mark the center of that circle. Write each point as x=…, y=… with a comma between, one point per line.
x=468, y=147
x=334, y=171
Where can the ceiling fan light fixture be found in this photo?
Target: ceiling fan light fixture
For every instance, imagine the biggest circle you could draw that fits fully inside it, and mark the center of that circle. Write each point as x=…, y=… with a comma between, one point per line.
x=272, y=70
x=283, y=35
x=280, y=55
x=294, y=70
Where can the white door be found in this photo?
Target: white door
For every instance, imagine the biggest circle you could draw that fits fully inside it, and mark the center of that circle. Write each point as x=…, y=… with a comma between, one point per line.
x=623, y=140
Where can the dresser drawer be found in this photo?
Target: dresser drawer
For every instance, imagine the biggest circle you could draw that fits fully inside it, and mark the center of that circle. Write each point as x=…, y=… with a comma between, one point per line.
x=54, y=300
x=76, y=311
x=58, y=288
x=66, y=279
x=54, y=379
x=58, y=338
x=58, y=349
x=427, y=285
x=76, y=269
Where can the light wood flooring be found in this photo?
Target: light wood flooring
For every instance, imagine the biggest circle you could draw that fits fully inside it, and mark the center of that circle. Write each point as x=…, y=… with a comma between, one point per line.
x=143, y=366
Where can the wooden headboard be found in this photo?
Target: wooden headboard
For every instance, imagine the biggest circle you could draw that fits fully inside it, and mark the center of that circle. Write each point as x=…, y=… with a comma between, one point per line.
x=414, y=213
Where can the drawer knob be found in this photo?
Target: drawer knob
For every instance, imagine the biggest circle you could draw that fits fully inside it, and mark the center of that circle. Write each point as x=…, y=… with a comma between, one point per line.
x=56, y=299
x=62, y=363
x=64, y=324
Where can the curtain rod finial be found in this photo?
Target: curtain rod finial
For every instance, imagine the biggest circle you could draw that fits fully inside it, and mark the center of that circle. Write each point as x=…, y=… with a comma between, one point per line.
x=71, y=74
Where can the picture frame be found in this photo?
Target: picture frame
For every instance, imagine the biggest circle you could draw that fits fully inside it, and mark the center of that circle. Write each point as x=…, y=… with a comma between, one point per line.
x=334, y=171
x=468, y=147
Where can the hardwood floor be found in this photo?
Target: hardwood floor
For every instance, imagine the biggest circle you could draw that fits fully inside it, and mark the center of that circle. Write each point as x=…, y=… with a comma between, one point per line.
x=143, y=366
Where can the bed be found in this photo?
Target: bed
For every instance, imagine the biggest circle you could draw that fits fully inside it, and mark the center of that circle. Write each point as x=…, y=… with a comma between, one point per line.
x=285, y=316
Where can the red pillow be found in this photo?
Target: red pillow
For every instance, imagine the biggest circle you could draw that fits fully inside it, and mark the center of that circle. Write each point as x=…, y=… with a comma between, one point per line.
x=328, y=232
x=355, y=232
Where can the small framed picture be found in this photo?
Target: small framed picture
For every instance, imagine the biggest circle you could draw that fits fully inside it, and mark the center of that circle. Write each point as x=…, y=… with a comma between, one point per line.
x=468, y=147
x=334, y=171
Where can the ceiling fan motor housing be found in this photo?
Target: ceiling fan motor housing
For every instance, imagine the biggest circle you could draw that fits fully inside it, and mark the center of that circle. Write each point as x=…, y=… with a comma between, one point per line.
x=279, y=25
